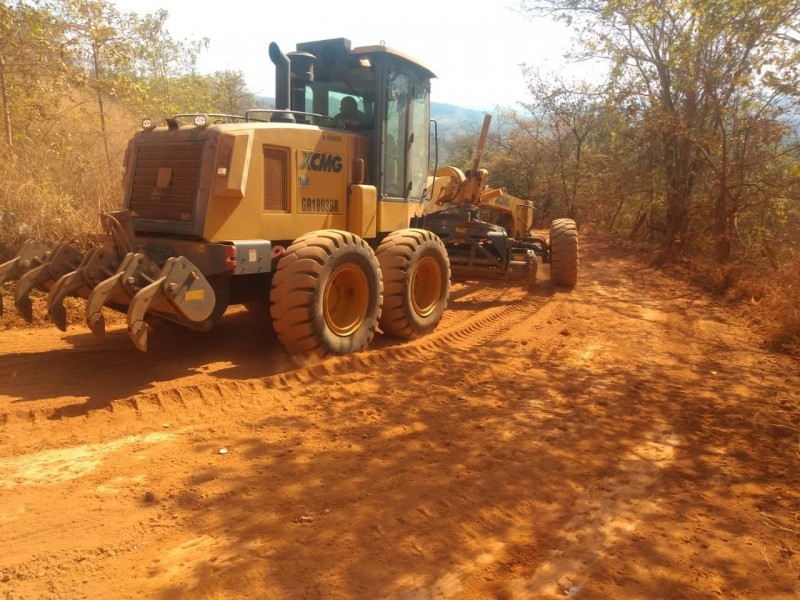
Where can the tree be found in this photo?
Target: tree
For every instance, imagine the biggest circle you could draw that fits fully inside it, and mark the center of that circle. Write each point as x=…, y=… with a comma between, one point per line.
x=570, y=114
x=165, y=67
x=688, y=61
x=100, y=40
x=229, y=93
x=31, y=63
x=517, y=156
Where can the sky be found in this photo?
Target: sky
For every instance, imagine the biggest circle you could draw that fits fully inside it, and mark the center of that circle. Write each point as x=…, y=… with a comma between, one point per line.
x=475, y=50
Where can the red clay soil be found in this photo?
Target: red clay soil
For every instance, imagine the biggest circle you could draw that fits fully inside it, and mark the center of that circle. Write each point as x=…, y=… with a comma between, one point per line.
x=627, y=439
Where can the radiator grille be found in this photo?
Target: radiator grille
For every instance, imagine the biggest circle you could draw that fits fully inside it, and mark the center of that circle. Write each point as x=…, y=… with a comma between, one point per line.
x=165, y=180
x=276, y=179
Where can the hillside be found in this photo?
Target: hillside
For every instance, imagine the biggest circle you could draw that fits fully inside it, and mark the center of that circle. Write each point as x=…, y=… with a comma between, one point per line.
x=455, y=119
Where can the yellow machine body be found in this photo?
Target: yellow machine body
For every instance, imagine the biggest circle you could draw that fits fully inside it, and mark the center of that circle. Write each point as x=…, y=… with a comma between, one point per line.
x=289, y=207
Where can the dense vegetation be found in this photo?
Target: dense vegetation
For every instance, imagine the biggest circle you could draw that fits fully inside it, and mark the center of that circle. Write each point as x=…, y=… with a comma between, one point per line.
x=688, y=144
x=76, y=76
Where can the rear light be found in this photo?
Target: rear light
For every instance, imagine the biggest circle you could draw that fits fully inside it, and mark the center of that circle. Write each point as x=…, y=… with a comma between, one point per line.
x=230, y=257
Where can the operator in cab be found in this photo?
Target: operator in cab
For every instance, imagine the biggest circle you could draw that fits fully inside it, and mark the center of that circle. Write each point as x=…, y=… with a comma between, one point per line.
x=349, y=115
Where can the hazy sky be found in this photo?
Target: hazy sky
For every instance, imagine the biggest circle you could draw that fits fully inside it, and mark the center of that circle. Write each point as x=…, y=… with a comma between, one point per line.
x=474, y=49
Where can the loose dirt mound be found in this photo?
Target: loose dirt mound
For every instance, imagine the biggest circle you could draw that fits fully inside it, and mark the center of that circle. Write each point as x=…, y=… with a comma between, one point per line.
x=626, y=439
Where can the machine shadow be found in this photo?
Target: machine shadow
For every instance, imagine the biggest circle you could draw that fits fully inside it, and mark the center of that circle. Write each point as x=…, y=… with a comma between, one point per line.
x=101, y=371
x=241, y=346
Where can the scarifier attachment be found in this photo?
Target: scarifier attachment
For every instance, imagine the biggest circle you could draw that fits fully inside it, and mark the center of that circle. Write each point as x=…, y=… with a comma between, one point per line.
x=31, y=255
x=59, y=262
x=181, y=294
x=98, y=265
x=135, y=272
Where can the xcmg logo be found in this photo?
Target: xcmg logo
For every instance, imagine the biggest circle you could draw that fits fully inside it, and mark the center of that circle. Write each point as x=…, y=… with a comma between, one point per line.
x=319, y=161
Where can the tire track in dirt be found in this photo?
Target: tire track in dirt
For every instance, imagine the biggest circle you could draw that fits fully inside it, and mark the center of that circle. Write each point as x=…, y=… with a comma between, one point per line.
x=599, y=522
x=616, y=509
x=484, y=320
x=489, y=312
x=588, y=528
x=465, y=335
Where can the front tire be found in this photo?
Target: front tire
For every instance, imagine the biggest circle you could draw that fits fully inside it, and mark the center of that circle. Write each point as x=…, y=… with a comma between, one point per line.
x=326, y=294
x=564, y=252
x=416, y=282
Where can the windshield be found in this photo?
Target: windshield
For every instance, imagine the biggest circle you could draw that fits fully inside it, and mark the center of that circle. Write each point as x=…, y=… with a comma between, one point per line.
x=405, y=155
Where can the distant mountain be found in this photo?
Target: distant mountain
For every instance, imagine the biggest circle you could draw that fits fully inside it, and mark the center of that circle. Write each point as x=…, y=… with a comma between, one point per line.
x=452, y=119
x=451, y=122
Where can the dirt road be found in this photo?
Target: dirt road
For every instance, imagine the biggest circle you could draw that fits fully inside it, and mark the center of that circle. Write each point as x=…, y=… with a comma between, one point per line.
x=626, y=439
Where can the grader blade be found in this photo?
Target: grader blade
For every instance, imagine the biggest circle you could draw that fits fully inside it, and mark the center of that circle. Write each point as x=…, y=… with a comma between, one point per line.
x=134, y=272
x=98, y=265
x=62, y=260
x=31, y=255
x=181, y=294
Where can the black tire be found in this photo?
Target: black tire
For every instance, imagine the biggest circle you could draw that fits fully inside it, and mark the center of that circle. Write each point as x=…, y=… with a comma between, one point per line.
x=564, y=252
x=326, y=294
x=416, y=282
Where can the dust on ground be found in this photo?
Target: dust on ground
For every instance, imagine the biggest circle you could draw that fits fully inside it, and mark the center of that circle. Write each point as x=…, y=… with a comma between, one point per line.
x=626, y=439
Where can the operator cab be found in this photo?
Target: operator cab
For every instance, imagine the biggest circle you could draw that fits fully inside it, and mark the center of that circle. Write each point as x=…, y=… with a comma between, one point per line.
x=391, y=91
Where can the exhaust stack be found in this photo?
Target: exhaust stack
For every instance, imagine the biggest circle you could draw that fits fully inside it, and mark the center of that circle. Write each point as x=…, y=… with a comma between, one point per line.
x=301, y=68
x=283, y=76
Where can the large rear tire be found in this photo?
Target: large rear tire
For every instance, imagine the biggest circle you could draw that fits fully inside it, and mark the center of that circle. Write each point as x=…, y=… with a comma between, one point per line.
x=564, y=252
x=326, y=294
x=416, y=282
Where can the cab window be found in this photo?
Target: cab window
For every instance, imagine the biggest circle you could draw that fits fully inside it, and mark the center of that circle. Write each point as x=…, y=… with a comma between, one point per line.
x=405, y=145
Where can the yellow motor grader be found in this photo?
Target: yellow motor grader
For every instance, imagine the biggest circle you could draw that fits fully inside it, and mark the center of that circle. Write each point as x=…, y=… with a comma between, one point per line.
x=290, y=204
x=321, y=215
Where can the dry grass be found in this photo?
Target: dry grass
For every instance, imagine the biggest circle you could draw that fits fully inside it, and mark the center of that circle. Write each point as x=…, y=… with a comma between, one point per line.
x=781, y=308
x=769, y=299
x=39, y=206
x=54, y=183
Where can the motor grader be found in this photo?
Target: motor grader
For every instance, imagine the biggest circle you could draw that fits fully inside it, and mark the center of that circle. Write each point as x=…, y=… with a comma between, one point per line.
x=288, y=204
x=321, y=217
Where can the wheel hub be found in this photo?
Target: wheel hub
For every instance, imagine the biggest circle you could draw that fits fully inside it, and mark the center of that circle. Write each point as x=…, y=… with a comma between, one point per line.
x=346, y=299
x=426, y=286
